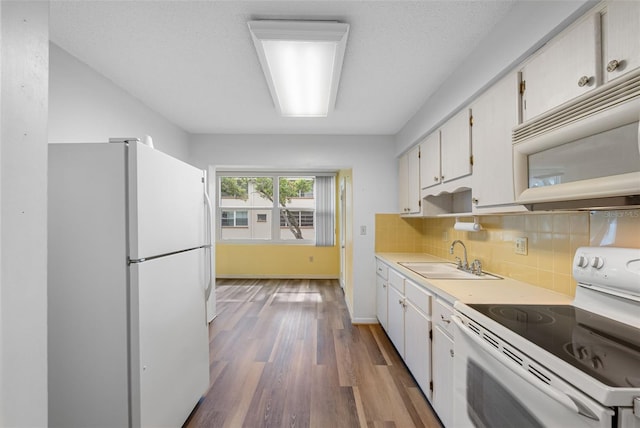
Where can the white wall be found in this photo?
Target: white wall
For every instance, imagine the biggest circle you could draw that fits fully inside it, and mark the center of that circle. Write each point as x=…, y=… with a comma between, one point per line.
x=374, y=183
x=85, y=106
x=525, y=29
x=23, y=213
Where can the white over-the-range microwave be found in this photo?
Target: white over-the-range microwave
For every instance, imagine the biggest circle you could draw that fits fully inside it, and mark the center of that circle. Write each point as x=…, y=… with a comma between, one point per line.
x=583, y=154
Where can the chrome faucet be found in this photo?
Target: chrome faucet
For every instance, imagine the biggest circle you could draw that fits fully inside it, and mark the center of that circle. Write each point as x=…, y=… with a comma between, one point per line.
x=464, y=265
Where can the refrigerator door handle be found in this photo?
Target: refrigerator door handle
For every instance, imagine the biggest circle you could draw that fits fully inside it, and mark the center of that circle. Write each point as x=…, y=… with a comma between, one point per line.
x=209, y=245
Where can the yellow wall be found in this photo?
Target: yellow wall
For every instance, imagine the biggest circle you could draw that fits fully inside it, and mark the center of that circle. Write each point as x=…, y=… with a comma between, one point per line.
x=279, y=261
x=552, y=241
x=276, y=261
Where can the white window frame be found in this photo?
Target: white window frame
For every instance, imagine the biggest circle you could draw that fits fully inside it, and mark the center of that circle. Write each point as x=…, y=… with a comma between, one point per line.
x=275, y=208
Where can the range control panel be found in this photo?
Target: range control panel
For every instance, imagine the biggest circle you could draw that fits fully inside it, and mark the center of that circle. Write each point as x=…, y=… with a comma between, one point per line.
x=613, y=268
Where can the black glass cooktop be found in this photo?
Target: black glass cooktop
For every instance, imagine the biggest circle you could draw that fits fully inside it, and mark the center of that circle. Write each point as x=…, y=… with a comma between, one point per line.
x=601, y=347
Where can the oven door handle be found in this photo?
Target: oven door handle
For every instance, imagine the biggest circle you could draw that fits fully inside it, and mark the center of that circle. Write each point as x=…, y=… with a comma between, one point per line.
x=566, y=400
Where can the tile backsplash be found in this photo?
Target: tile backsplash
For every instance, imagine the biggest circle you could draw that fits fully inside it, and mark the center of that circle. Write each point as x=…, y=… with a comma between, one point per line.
x=552, y=241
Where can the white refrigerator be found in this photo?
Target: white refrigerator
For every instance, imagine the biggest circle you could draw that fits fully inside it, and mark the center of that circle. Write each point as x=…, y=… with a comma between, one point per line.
x=129, y=269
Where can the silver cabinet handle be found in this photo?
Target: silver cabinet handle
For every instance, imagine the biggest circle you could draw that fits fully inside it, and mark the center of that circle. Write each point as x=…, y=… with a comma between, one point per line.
x=451, y=352
x=435, y=178
x=612, y=65
x=584, y=81
x=444, y=319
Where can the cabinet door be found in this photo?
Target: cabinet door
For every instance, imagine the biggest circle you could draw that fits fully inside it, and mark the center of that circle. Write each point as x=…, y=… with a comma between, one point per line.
x=417, y=347
x=455, y=147
x=413, y=177
x=396, y=319
x=621, y=20
x=430, y=161
x=403, y=182
x=495, y=113
x=443, y=376
x=381, y=301
x=554, y=75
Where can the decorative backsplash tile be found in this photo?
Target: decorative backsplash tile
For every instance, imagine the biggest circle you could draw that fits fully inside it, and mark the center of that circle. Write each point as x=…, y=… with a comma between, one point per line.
x=552, y=241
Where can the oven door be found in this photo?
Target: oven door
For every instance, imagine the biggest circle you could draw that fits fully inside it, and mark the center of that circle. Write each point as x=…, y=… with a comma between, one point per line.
x=492, y=389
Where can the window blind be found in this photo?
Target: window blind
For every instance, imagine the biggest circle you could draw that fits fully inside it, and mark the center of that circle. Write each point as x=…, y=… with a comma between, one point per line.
x=325, y=211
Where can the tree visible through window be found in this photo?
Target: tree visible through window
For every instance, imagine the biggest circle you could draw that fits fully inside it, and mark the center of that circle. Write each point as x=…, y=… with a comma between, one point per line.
x=291, y=200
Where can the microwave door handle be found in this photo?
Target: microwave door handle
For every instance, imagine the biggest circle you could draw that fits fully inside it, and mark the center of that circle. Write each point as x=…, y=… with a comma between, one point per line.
x=566, y=400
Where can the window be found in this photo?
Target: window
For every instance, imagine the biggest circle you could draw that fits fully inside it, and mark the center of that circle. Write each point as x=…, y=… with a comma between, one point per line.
x=234, y=218
x=277, y=208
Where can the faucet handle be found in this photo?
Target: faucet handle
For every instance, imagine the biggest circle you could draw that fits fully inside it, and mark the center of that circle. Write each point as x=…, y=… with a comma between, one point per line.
x=458, y=262
x=476, y=267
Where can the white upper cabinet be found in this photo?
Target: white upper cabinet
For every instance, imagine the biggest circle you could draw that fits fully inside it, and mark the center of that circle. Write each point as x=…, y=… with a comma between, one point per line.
x=430, y=161
x=621, y=38
x=455, y=146
x=409, y=182
x=446, y=155
x=495, y=114
x=564, y=69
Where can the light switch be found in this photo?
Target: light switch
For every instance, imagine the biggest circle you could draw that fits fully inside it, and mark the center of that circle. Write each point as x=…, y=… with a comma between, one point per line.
x=363, y=230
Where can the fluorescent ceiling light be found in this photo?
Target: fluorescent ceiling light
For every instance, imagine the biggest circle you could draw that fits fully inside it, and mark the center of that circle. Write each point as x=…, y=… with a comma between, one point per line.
x=302, y=61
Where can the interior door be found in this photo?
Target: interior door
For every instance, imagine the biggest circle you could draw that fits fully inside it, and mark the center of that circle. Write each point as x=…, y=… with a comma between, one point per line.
x=343, y=225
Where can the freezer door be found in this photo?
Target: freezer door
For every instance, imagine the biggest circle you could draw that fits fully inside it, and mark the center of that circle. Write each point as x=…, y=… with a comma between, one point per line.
x=166, y=203
x=172, y=345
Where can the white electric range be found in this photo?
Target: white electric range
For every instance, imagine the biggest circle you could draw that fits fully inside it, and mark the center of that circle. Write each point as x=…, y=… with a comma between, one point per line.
x=555, y=365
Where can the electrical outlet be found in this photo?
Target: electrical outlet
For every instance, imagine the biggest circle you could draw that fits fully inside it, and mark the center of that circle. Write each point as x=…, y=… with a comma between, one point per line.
x=521, y=246
x=311, y=259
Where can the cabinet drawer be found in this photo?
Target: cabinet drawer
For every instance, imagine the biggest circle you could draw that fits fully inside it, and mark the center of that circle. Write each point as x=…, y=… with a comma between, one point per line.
x=396, y=281
x=418, y=296
x=382, y=269
x=442, y=312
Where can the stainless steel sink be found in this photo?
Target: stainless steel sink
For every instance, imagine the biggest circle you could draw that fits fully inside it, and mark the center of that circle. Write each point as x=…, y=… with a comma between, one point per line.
x=444, y=270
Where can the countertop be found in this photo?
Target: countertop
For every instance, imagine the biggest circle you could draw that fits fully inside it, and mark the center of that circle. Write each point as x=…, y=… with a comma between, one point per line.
x=505, y=290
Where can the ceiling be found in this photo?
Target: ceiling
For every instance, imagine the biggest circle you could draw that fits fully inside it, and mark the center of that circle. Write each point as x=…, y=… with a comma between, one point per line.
x=194, y=62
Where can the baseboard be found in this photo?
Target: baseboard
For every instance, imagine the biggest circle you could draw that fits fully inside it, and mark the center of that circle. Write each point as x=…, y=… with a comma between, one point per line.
x=274, y=276
x=364, y=320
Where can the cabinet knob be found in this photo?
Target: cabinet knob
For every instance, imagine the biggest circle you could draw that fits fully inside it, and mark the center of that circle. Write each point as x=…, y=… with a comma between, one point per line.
x=474, y=200
x=612, y=65
x=435, y=178
x=442, y=177
x=451, y=352
x=584, y=81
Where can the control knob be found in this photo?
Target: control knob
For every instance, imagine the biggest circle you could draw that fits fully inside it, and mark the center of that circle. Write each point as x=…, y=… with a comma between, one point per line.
x=597, y=262
x=582, y=262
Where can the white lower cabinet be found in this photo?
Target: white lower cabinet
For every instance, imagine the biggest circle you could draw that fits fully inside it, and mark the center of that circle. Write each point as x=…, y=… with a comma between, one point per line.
x=396, y=319
x=443, y=376
x=382, y=301
x=443, y=362
x=382, y=297
x=417, y=347
x=409, y=326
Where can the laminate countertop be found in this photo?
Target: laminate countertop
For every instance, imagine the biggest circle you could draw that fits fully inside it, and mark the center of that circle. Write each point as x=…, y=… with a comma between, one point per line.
x=505, y=290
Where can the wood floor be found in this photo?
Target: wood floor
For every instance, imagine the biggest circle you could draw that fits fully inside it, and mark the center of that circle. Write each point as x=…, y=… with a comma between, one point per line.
x=284, y=353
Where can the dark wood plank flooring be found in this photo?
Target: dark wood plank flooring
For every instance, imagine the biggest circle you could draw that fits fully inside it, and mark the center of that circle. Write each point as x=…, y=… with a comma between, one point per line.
x=284, y=353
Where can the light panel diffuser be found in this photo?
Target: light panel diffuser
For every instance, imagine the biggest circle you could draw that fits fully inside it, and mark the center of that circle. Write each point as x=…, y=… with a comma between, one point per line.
x=302, y=61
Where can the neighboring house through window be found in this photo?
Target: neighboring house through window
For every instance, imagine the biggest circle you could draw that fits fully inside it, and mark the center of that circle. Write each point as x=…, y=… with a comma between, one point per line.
x=277, y=207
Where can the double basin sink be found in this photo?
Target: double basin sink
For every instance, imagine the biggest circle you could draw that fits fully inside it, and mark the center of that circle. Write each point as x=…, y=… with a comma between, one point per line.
x=444, y=270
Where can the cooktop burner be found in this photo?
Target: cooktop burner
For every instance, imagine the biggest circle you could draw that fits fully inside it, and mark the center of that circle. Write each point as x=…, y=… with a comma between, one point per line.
x=601, y=347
